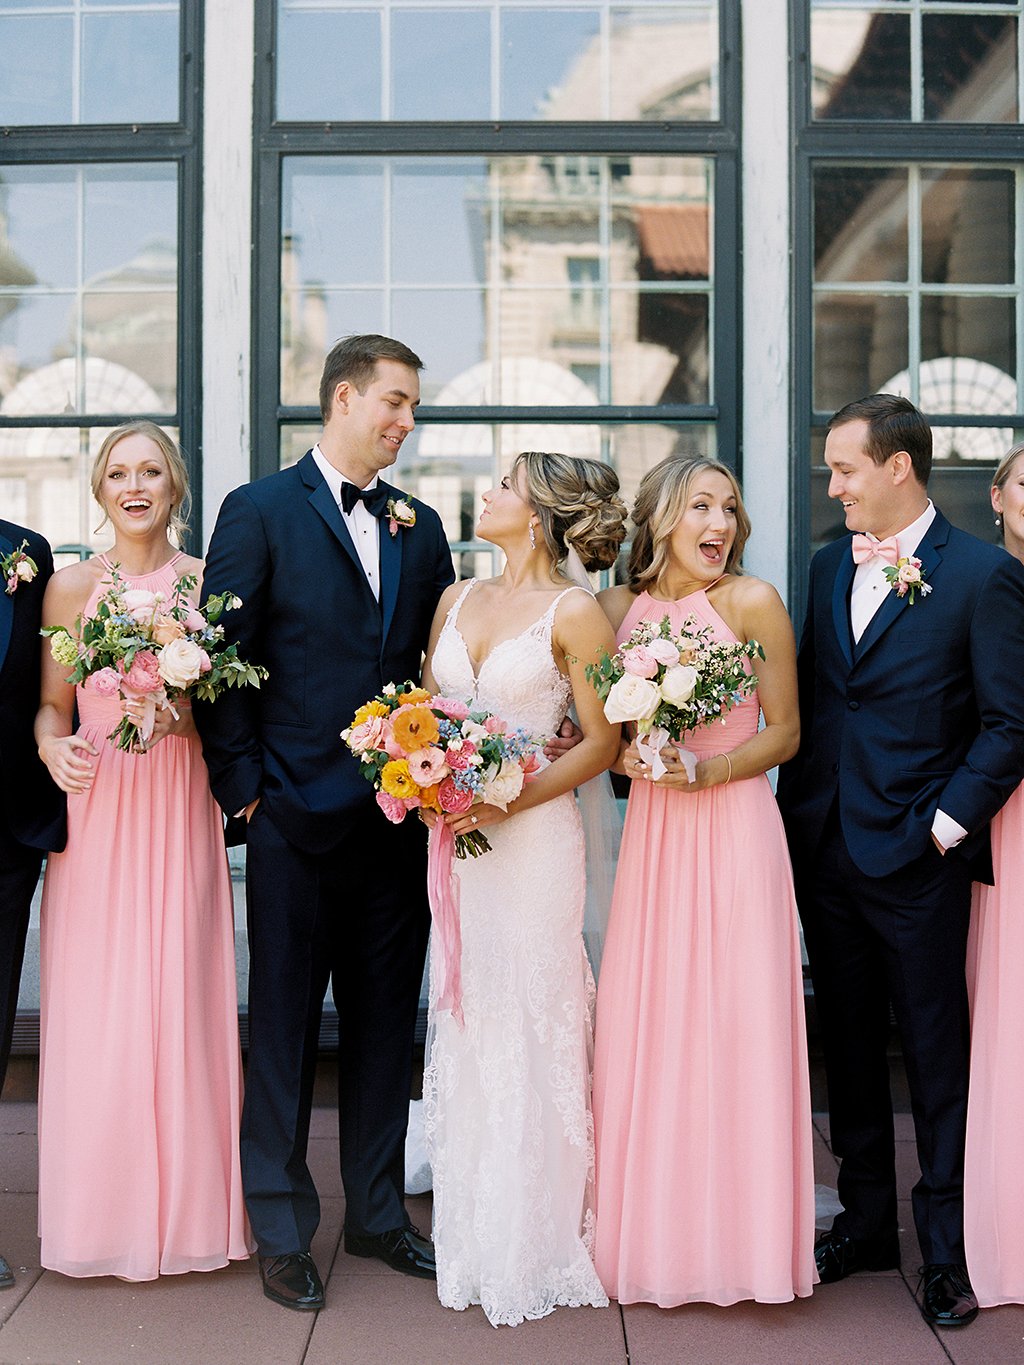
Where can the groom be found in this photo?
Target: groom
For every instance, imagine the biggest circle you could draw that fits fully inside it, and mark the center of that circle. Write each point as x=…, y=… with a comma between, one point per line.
x=912, y=723
x=32, y=810
x=337, y=600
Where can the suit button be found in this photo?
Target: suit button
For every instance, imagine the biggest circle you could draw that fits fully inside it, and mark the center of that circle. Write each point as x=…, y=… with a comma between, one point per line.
x=853, y=705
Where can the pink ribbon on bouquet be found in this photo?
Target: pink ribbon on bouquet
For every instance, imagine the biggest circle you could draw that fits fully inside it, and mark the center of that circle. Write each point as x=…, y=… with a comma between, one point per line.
x=443, y=893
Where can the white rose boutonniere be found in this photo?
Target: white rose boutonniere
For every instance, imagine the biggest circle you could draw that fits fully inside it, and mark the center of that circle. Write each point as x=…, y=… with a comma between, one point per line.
x=400, y=513
x=17, y=568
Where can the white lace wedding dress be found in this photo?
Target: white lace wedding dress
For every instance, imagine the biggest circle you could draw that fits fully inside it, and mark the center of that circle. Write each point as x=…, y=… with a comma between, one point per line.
x=507, y=1098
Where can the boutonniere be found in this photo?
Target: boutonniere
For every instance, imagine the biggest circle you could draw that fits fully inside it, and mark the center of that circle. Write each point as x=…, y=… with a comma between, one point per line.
x=907, y=577
x=400, y=513
x=17, y=568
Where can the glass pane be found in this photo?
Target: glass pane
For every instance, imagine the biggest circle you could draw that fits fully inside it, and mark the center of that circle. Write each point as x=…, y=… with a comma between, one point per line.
x=130, y=68
x=860, y=341
x=861, y=65
x=312, y=320
x=660, y=348
x=130, y=218
x=36, y=61
x=36, y=332
x=664, y=63
x=332, y=221
x=967, y=226
x=445, y=328
x=969, y=331
x=38, y=205
x=439, y=221
x=427, y=42
x=134, y=338
x=328, y=64
x=551, y=64
x=970, y=67
x=860, y=224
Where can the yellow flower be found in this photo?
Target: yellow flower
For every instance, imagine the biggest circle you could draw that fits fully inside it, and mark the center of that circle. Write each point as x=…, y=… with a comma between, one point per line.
x=396, y=779
x=415, y=696
x=428, y=796
x=372, y=708
x=414, y=728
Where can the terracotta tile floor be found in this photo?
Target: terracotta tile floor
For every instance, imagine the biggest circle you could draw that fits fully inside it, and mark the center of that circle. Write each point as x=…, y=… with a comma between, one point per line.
x=375, y=1317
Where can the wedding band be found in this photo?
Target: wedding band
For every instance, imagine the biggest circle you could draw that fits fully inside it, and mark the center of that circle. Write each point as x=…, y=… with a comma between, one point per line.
x=473, y=820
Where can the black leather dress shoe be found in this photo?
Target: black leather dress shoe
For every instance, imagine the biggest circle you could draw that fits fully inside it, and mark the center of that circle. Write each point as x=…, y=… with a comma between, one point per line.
x=6, y=1275
x=403, y=1249
x=292, y=1281
x=947, y=1299
x=836, y=1255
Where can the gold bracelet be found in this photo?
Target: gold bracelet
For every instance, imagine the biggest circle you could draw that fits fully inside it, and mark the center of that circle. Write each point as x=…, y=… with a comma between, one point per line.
x=729, y=761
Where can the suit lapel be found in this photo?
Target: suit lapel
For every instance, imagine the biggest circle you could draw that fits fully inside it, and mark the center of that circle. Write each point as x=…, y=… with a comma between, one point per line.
x=929, y=553
x=321, y=499
x=841, y=605
x=390, y=567
x=6, y=606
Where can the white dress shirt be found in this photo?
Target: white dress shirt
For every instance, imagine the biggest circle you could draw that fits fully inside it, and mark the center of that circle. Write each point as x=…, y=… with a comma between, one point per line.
x=867, y=594
x=363, y=527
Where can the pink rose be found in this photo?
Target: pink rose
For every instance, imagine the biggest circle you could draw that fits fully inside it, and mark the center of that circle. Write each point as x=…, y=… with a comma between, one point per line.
x=205, y=662
x=392, y=807
x=428, y=766
x=144, y=674
x=194, y=620
x=454, y=710
x=494, y=725
x=531, y=766
x=389, y=744
x=140, y=604
x=452, y=798
x=640, y=662
x=460, y=759
x=106, y=681
x=369, y=735
x=663, y=652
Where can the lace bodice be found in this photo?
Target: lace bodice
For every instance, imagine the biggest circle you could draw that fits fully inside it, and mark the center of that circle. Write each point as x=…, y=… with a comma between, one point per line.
x=519, y=680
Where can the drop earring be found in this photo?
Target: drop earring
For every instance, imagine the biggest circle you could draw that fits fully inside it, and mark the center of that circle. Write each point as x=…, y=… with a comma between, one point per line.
x=533, y=537
x=999, y=520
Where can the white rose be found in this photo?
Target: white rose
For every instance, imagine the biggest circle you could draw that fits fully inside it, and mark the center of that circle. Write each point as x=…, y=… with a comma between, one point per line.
x=25, y=571
x=632, y=698
x=504, y=786
x=678, y=683
x=663, y=651
x=476, y=734
x=180, y=663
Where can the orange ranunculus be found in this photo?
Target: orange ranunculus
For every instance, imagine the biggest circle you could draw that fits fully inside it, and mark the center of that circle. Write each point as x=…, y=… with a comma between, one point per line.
x=428, y=797
x=416, y=696
x=372, y=708
x=396, y=779
x=414, y=728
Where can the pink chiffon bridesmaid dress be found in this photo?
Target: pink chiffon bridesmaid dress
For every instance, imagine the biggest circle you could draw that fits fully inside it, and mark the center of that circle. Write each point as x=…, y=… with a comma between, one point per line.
x=705, y=1184
x=140, y=1071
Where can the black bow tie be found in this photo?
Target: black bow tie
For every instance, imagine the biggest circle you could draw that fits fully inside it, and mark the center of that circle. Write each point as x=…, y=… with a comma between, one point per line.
x=374, y=499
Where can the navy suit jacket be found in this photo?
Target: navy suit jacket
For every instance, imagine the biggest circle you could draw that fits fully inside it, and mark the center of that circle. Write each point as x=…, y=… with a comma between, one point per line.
x=926, y=711
x=308, y=614
x=31, y=806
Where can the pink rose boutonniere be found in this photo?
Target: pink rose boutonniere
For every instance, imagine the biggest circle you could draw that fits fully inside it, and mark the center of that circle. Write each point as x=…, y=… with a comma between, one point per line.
x=400, y=513
x=907, y=577
x=17, y=568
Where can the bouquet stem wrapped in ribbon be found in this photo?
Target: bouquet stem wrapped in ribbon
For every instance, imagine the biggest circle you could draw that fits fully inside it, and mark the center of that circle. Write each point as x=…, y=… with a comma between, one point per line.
x=150, y=649
x=667, y=684
x=435, y=753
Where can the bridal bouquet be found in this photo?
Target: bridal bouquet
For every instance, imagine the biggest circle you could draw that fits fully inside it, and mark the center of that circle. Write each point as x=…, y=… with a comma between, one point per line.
x=435, y=752
x=145, y=646
x=669, y=684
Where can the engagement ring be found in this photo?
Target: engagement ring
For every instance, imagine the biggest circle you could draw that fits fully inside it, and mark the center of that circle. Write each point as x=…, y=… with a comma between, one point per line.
x=473, y=820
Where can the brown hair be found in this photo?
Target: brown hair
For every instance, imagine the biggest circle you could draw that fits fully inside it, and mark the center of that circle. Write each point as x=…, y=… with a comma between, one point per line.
x=577, y=505
x=180, y=495
x=660, y=503
x=893, y=424
x=355, y=359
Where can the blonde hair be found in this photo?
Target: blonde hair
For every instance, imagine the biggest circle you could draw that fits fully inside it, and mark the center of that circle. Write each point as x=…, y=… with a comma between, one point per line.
x=1002, y=475
x=660, y=503
x=577, y=505
x=181, y=498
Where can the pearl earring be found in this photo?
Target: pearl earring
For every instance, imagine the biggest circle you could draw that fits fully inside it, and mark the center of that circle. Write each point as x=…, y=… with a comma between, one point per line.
x=533, y=537
x=999, y=521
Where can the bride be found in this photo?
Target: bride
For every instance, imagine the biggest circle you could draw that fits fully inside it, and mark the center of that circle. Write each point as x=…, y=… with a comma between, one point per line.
x=507, y=1096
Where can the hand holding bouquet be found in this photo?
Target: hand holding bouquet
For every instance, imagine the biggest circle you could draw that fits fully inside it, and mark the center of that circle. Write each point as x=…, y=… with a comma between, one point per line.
x=435, y=752
x=145, y=648
x=668, y=684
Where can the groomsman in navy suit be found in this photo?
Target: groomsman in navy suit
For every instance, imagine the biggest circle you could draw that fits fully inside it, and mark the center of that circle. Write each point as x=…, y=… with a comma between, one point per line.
x=32, y=810
x=912, y=722
x=338, y=596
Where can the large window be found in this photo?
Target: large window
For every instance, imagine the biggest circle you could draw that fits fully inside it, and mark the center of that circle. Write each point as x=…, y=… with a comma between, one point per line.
x=910, y=251
x=552, y=225
x=98, y=221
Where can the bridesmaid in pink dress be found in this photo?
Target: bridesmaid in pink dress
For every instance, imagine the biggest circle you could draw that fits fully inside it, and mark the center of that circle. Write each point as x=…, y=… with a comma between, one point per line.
x=140, y=1073
x=705, y=1185
x=994, y=1155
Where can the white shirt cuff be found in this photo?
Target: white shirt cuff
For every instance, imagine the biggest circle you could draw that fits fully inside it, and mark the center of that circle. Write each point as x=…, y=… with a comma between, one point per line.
x=947, y=831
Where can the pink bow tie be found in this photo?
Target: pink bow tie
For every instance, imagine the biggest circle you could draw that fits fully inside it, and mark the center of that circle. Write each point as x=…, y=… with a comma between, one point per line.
x=864, y=548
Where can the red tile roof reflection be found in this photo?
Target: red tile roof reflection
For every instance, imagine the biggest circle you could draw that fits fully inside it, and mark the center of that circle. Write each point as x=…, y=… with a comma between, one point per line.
x=674, y=240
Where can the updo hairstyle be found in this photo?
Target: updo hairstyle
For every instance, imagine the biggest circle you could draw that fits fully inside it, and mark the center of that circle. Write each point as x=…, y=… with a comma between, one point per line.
x=181, y=497
x=577, y=506
x=660, y=503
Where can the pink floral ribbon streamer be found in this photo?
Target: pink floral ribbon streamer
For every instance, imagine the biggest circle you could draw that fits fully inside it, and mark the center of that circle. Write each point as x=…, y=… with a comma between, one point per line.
x=443, y=892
